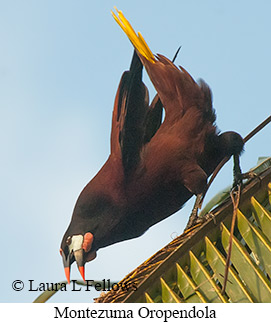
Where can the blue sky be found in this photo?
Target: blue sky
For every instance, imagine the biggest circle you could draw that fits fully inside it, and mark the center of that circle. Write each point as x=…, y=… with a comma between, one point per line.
x=60, y=64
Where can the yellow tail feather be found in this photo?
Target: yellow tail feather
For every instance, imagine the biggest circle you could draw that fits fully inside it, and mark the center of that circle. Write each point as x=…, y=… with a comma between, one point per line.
x=136, y=39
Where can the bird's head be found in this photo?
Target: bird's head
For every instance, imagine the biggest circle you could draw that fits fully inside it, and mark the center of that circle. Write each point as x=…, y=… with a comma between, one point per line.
x=78, y=248
x=94, y=225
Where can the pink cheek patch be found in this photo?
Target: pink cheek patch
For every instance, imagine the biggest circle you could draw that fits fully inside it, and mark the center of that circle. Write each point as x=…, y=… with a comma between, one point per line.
x=88, y=240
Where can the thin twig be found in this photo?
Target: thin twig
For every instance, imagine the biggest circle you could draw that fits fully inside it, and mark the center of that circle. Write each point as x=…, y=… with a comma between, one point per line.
x=257, y=129
x=235, y=196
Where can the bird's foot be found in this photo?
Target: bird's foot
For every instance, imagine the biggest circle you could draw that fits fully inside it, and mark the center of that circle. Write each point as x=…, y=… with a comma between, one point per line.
x=250, y=175
x=193, y=219
x=239, y=177
x=199, y=220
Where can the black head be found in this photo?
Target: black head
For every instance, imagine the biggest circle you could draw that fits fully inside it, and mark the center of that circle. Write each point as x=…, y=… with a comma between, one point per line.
x=231, y=143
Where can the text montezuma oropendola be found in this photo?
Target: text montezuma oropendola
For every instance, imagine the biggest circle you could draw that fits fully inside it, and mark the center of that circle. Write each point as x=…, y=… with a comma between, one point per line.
x=154, y=167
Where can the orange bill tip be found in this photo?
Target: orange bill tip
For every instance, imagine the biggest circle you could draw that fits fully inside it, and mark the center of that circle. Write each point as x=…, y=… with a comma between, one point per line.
x=67, y=273
x=82, y=271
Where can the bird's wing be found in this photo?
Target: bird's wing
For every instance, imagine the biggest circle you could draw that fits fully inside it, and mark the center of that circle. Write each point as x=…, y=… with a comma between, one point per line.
x=177, y=89
x=153, y=119
x=130, y=108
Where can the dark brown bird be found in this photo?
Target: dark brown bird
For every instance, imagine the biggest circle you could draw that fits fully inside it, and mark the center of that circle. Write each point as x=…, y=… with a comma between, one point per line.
x=154, y=167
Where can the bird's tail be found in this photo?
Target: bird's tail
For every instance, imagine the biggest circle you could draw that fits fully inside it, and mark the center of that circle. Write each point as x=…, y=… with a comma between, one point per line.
x=136, y=38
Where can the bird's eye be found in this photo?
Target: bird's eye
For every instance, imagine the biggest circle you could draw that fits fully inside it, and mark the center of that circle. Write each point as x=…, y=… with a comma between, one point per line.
x=69, y=241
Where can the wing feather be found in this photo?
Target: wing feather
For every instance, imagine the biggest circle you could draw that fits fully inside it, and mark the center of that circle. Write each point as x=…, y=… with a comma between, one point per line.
x=130, y=108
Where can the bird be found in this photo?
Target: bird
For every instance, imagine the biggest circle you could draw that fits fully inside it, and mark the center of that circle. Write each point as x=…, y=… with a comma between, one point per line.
x=155, y=164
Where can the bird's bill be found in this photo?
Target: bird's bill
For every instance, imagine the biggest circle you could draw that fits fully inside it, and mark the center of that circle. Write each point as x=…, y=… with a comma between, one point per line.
x=66, y=264
x=67, y=274
x=79, y=251
x=82, y=271
x=81, y=258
